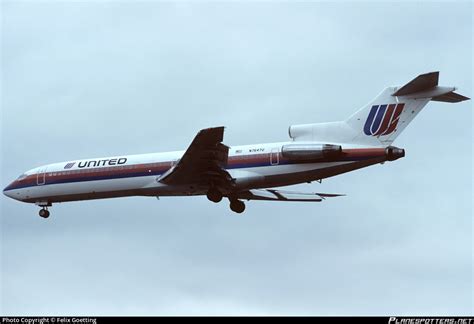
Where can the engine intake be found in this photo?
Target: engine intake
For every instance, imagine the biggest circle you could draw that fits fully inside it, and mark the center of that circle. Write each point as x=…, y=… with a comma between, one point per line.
x=310, y=152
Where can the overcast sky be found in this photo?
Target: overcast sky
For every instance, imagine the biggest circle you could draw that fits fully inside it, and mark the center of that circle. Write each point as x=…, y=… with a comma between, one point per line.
x=86, y=79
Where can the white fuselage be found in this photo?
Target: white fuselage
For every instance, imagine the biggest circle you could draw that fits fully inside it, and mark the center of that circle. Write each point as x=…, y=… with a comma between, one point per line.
x=250, y=166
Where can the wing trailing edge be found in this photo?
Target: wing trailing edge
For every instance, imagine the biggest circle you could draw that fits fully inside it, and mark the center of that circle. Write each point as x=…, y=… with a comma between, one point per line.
x=284, y=195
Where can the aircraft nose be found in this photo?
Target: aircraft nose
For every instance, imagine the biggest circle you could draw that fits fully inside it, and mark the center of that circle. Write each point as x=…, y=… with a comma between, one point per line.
x=7, y=192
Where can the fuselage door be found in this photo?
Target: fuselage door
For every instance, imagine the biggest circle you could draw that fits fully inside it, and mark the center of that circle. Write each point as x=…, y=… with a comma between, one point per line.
x=41, y=177
x=274, y=156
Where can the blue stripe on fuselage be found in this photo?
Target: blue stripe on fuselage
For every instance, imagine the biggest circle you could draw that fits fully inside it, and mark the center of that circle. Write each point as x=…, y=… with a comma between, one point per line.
x=51, y=180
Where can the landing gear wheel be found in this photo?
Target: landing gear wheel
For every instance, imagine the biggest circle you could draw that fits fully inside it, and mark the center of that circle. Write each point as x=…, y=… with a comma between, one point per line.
x=44, y=213
x=214, y=195
x=237, y=206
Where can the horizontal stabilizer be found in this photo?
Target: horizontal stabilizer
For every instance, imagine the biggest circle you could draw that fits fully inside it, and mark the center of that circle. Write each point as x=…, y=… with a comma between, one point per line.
x=421, y=83
x=450, y=97
x=283, y=195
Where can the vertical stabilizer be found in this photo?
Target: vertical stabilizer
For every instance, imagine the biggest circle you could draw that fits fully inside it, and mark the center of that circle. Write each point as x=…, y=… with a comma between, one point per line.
x=391, y=111
x=381, y=121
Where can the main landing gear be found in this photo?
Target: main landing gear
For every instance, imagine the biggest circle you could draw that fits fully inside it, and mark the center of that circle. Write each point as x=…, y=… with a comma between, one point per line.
x=237, y=206
x=44, y=212
x=216, y=196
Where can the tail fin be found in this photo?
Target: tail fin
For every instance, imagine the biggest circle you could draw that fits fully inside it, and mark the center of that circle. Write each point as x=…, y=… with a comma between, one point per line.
x=391, y=111
x=382, y=120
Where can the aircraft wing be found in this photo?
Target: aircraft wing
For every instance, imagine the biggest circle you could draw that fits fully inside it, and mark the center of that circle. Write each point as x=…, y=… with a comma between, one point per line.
x=203, y=161
x=283, y=195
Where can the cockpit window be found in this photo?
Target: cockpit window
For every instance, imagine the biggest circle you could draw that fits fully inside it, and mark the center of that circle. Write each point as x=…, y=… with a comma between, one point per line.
x=23, y=176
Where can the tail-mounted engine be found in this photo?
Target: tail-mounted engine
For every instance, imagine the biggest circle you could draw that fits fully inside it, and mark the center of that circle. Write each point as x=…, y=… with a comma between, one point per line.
x=393, y=153
x=310, y=152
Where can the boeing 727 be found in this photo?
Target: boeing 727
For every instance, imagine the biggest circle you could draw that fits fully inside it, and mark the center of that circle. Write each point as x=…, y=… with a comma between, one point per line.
x=239, y=173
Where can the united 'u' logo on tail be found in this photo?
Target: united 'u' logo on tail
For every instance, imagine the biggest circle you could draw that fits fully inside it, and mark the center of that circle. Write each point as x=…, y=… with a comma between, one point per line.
x=383, y=119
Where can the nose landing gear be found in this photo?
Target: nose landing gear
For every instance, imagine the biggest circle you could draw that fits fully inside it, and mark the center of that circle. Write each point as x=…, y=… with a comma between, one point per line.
x=44, y=212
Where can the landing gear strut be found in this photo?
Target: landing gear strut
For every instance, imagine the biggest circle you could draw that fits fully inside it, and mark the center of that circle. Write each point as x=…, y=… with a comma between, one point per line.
x=214, y=195
x=237, y=206
x=44, y=212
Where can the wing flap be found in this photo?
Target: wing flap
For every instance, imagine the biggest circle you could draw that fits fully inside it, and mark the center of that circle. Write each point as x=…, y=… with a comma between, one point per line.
x=284, y=195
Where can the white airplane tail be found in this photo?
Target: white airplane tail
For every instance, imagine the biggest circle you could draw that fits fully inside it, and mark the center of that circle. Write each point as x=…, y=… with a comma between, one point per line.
x=382, y=120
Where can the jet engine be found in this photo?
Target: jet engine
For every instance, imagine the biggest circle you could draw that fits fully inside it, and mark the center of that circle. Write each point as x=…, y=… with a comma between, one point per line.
x=310, y=152
x=394, y=153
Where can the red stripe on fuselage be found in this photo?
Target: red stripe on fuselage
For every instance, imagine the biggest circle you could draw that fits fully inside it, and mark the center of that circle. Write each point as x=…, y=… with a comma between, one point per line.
x=363, y=153
x=61, y=176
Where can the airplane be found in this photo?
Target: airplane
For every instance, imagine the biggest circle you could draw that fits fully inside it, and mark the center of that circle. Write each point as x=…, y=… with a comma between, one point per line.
x=242, y=173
